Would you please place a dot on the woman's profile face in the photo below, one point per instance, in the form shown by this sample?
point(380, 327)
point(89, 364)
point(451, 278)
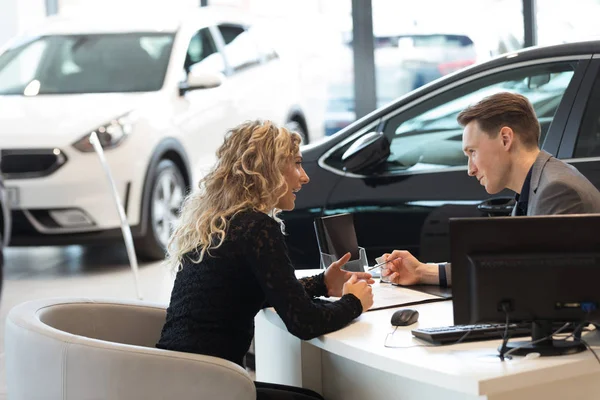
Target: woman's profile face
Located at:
point(295, 177)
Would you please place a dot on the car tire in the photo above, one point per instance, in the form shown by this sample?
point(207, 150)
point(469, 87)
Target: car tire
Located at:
point(165, 198)
point(296, 126)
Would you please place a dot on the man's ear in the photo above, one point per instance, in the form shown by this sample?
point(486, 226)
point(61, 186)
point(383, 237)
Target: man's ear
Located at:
point(508, 136)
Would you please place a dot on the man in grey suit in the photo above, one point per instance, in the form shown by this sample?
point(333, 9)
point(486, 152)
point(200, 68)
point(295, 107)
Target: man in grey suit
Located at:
point(501, 140)
point(558, 188)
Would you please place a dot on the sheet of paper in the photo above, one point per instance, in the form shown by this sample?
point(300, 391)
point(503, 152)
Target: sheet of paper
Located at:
point(385, 295)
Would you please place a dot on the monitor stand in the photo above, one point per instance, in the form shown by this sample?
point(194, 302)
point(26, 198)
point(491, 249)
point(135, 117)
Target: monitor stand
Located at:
point(548, 347)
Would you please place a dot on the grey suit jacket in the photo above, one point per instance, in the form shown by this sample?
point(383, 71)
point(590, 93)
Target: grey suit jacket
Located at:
point(556, 188)
point(559, 188)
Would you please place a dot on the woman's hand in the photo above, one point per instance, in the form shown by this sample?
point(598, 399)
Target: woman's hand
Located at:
point(335, 277)
point(361, 290)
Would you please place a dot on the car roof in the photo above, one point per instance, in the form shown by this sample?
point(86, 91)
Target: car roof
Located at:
point(130, 21)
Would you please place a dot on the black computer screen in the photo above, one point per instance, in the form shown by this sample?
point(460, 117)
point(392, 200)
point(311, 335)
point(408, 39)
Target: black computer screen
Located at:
point(336, 235)
point(539, 268)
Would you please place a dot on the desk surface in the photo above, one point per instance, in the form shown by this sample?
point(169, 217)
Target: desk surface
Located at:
point(471, 367)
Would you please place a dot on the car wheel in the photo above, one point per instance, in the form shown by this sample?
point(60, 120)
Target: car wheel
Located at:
point(295, 126)
point(166, 196)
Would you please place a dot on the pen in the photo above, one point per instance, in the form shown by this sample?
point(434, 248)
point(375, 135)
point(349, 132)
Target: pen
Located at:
point(382, 263)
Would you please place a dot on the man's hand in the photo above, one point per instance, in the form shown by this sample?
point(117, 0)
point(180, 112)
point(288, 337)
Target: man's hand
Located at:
point(403, 268)
point(335, 277)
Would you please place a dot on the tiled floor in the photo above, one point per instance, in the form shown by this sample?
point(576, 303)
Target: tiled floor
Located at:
point(32, 273)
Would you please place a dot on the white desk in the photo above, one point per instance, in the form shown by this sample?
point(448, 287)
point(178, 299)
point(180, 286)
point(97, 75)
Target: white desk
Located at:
point(353, 363)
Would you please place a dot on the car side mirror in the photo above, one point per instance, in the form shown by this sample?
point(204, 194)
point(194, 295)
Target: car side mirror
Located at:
point(198, 79)
point(366, 153)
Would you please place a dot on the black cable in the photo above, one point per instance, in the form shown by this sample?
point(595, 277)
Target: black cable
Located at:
point(540, 340)
point(403, 347)
point(463, 337)
point(590, 349)
point(505, 337)
point(576, 332)
point(396, 347)
point(550, 336)
point(503, 354)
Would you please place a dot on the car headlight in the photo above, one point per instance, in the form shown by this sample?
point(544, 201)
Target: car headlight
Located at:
point(110, 135)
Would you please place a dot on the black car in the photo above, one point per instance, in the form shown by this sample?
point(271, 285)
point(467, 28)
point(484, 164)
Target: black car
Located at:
point(401, 170)
point(5, 225)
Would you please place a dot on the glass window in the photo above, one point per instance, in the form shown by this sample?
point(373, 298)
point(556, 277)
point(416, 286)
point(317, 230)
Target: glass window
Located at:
point(230, 32)
point(104, 63)
point(558, 21)
point(588, 140)
point(428, 136)
point(202, 53)
point(241, 51)
point(418, 46)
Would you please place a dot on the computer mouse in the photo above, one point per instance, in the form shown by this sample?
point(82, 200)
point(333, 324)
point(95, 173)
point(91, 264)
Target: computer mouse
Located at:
point(404, 317)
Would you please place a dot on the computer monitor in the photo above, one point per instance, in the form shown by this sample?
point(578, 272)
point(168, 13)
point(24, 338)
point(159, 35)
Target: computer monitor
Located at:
point(543, 270)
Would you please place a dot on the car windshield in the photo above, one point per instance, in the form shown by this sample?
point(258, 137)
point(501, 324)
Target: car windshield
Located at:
point(98, 63)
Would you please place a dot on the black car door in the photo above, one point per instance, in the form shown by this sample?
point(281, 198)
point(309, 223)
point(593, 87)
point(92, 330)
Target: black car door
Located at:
point(406, 203)
point(5, 225)
point(580, 145)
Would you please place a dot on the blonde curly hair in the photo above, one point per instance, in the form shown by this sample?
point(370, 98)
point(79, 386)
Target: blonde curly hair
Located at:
point(248, 175)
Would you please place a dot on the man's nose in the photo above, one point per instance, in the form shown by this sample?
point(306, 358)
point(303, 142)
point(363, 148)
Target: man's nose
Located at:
point(471, 169)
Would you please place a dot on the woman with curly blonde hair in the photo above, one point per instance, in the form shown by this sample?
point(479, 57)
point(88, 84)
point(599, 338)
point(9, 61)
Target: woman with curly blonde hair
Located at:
point(231, 259)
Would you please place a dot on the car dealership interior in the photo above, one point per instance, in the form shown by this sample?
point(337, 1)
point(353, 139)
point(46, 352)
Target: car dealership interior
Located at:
point(283, 199)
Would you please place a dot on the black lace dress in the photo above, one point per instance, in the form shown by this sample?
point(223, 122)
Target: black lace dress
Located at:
point(213, 303)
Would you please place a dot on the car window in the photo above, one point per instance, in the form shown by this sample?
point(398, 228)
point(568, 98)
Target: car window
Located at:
point(203, 53)
point(428, 136)
point(102, 63)
point(241, 50)
point(588, 139)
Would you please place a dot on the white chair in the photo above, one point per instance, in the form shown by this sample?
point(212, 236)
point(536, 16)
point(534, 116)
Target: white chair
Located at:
point(104, 349)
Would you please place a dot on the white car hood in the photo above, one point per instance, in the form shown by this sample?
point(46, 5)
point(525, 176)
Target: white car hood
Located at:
point(58, 121)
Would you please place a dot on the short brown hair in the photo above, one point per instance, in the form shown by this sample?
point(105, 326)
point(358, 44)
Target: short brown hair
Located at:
point(505, 109)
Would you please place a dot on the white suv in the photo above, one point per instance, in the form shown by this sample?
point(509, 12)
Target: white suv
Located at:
point(160, 94)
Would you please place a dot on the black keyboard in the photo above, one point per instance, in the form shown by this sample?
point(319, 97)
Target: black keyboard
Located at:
point(452, 334)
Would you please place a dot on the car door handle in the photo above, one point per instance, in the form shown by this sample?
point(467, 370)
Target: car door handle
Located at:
point(497, 206)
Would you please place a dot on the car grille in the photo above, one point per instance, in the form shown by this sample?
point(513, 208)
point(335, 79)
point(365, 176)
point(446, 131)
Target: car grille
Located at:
point(30, 163)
